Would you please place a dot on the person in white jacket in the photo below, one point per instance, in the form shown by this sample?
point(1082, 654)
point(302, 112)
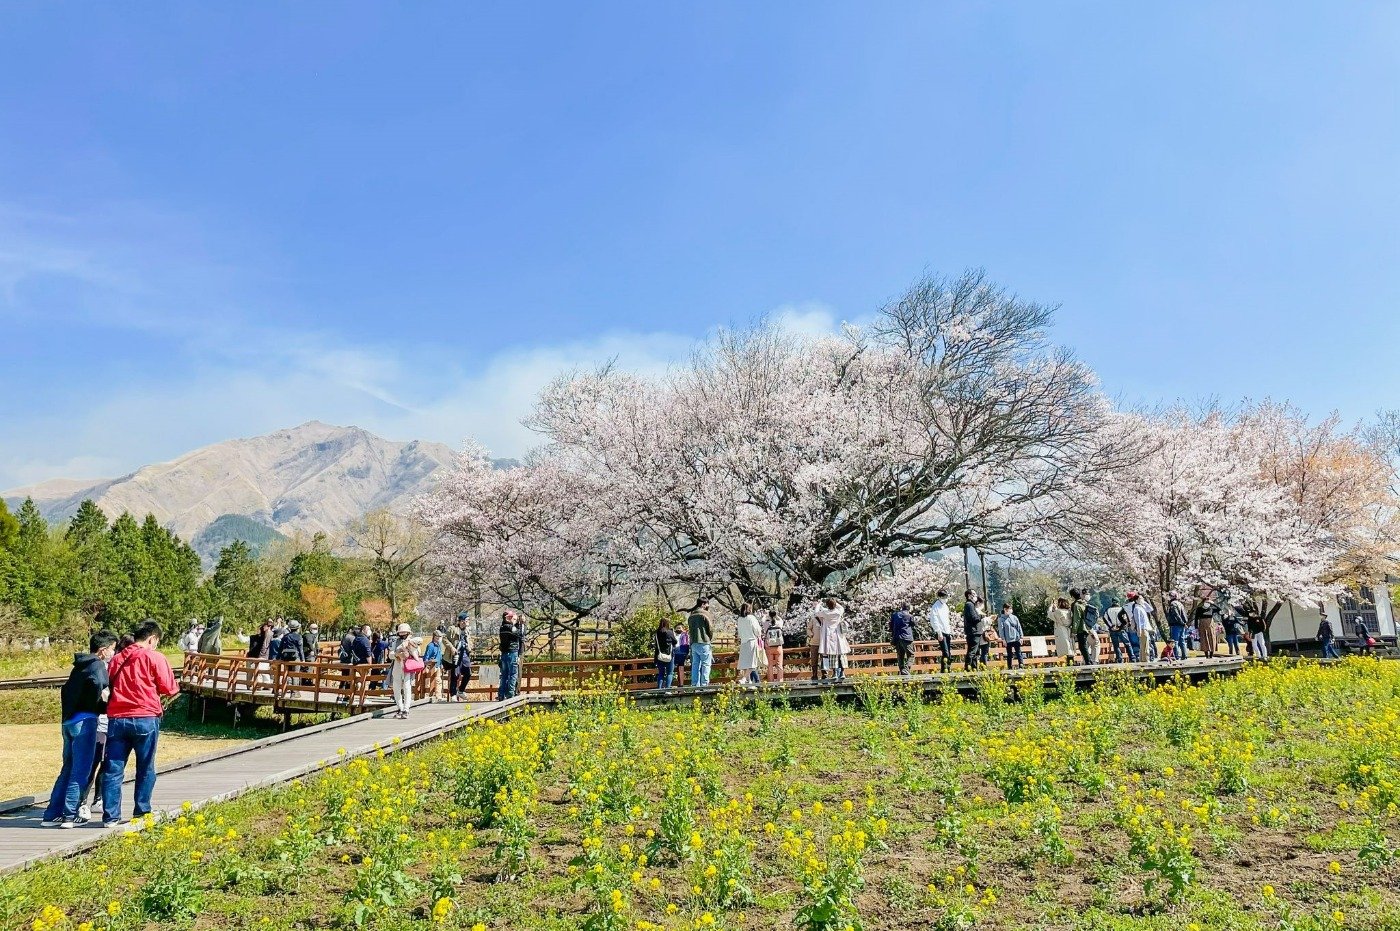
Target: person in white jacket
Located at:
point(942, 625)
point(190, 641)
point(750, 633)
point(830, 630)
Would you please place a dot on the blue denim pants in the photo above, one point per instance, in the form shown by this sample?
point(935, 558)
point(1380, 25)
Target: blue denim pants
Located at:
point(1179, 642)
point(126, 736)
point(79, 747)
point(665, 673)
point(510, 676)
point(701, 656)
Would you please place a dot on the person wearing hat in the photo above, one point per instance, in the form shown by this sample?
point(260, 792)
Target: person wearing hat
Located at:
point(289, 644)
point(1141, 634)
point(407, 664)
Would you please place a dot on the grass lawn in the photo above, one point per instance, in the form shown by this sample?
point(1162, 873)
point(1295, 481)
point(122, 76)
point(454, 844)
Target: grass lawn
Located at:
point(31, 744)
point(1263, 801)
point(58, 660)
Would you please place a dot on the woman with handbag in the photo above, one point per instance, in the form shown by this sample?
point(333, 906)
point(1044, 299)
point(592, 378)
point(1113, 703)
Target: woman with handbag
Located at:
point(407, 665)
point(665, 654)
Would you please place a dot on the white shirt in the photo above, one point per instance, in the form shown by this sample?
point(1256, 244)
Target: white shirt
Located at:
point(938, 618)
point(190, 641)
point(1140, 617)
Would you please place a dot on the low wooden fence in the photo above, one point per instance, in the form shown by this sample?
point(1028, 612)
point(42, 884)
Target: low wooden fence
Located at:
point(302, 687)
point(865, 659)
point(320, 687)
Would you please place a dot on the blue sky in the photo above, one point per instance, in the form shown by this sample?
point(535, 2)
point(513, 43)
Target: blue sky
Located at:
point(221, 219)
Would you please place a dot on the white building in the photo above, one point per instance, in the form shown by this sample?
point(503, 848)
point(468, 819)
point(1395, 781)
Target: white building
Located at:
point(1296, 623)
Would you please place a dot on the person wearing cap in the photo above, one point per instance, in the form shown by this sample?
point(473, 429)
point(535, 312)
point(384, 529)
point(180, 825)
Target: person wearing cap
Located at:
point(406, 665)
point(289, 644)
point(1326, 636)
point(459, 673)
point(432, 666)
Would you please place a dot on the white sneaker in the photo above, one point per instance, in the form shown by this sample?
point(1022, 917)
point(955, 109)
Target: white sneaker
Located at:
point(84, 812)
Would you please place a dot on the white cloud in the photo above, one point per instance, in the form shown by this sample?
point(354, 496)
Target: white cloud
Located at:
point(143, 272)
point(808, 319)
point(240, 396)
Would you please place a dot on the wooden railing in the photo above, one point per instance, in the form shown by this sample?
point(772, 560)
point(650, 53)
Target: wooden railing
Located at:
point(865, 659)
point(322, 686)
point(292, 686)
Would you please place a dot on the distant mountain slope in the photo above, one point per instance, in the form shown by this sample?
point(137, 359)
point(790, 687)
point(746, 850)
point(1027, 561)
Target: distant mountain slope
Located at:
point(315, 477)
point(212, 539)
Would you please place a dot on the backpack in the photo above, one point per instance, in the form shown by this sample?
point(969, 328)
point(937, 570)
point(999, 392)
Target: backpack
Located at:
point(1091, 615)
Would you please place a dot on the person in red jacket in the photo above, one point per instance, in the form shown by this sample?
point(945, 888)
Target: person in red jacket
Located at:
point(141, 679)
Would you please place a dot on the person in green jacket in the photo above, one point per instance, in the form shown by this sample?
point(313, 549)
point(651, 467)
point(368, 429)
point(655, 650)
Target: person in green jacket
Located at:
point(702, 634)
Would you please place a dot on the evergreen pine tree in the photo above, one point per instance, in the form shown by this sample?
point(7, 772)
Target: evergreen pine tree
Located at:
point(35, 580)
point(90, 559)
point(126, 603)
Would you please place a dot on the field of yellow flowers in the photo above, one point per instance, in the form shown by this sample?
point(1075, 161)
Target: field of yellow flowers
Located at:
point(1264, 801)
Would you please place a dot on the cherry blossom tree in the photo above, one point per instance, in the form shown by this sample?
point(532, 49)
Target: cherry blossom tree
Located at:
point(1210, 502)
point(529, 537)
point(913, 580)
point(1340, 482)
point(771, 463)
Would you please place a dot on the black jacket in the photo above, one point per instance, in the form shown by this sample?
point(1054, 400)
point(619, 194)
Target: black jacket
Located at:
point(512, 637)
point(360, 650)
point(86, 687)
point(972, 620)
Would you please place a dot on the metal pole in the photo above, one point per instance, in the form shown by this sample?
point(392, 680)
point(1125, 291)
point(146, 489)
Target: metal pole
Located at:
point(1293, 618)
point(982, 561)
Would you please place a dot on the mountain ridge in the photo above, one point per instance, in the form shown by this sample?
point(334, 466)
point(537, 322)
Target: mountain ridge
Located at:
point(311, 478)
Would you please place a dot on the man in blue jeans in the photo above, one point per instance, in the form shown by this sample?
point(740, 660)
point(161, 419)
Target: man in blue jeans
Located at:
point(84, 697)
point(141, 680)
point(702, 635)
point(512, 643)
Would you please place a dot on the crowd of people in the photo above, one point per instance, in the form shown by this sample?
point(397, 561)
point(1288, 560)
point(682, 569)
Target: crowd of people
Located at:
point(115, 695)
point(1130, 625)
point(1078, 621)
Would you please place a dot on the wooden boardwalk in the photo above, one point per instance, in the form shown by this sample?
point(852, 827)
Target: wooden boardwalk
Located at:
point(227, 774)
